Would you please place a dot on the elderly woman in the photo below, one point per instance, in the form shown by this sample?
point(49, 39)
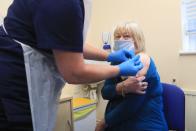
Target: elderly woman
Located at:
point(129, 109)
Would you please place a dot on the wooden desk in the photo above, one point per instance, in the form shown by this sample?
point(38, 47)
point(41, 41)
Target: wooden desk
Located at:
point(64, 120)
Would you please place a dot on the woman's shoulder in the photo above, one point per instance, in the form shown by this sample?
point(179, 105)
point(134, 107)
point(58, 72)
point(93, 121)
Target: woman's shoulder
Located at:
point(149, 69)
point(146, 60)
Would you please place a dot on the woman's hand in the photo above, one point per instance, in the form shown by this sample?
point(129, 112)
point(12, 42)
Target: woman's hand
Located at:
point(100, 125)
point(132, 85)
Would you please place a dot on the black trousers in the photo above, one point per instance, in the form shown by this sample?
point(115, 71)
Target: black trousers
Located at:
point(6, 125)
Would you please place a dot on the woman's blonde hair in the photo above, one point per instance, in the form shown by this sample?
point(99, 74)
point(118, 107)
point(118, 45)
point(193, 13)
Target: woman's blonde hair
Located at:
point(136, 33)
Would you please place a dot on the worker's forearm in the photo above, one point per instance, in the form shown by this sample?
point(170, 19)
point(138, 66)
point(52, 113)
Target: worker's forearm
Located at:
point(94, 73)
point(93, 53)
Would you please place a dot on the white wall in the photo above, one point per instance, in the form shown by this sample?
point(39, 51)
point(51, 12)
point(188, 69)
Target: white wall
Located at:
point(4, 4)
point(161, 23)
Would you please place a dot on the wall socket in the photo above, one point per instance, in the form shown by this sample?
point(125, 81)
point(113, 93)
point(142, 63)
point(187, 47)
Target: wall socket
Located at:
point(174, 81)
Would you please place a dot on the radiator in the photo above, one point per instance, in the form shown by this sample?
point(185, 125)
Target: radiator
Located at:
point(190, 110)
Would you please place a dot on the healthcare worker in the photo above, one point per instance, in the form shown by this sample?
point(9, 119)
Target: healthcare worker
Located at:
point(41, 47)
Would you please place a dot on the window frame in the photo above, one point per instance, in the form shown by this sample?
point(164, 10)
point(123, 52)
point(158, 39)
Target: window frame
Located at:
point(186, 45)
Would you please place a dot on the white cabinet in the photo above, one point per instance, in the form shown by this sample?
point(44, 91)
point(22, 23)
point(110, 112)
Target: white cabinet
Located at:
point(64, 120)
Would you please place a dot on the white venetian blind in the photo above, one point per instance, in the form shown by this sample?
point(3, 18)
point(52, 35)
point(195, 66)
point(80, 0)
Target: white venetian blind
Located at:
point(189, 25)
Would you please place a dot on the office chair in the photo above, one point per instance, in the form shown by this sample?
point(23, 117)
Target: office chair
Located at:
point(174, 107)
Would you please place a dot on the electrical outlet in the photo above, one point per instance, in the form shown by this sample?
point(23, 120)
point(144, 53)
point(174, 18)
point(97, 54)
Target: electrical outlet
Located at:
point(174, 81)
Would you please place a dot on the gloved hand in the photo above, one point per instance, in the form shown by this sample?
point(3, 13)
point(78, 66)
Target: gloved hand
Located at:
point(120, 56)
point(131, 66)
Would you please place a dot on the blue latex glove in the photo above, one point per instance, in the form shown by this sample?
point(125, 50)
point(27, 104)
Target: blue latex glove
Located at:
point(120, 56)
point(131, 66)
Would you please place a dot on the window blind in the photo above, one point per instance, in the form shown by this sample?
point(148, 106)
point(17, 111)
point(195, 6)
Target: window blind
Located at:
point(189, 23)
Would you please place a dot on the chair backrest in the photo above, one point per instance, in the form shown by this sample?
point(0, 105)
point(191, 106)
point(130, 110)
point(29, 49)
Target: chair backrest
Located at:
point(174, 107)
